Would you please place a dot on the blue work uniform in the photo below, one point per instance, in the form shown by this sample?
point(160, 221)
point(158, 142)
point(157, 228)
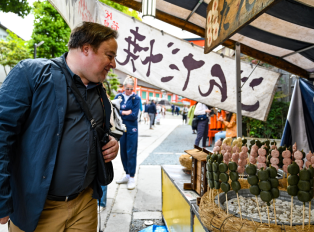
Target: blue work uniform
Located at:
point(128, 142)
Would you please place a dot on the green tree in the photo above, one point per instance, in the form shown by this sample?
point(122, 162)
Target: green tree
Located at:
point(111, 84)
point(51, 28)
point(122, 8)
point(19, 7)
point(12, 51)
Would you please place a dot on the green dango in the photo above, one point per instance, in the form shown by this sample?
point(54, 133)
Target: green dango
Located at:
point(211, 184)
point(254, 189)
point(304, 175)
point(225, 187)
point(293, 169)
point(209, 167)
point(292, 190)
point(214, 157)
point(217, 184)
point(274, 193)
point(250, 169)
point(264, 185)
point(209, 175)
point(224, 177)
point(235, 186)
point(304, 196)
point(233, 166)
point(263, 174)
point(304, 185)
point(223, 167)
point(215, 166)
point(272, 172)
point(252, 179)
point(220, 158)
point(266, 196)
point(208, 158)
point(234, 176)
point(216, 175)
point(274, 182)
point(293, 179)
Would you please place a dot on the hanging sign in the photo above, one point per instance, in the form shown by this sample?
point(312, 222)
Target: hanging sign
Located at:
point(226, 17)
point(176, 65)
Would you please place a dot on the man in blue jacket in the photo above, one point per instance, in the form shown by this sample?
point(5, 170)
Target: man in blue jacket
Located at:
point(48, 162)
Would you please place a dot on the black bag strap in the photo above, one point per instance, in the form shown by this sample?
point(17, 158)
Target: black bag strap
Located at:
point(75, 91)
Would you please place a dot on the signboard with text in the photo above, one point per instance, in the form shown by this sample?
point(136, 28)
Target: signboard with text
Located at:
point(226, 17)
point(174, 64)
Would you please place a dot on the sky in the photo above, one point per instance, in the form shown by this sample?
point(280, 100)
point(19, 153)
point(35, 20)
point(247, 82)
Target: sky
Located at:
point(24, 27)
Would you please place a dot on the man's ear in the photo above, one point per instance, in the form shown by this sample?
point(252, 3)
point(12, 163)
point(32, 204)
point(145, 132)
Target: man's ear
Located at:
point(85, 49)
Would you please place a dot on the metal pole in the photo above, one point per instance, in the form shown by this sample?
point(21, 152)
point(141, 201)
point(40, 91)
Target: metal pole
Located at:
point(238, 89)
point(35, 47)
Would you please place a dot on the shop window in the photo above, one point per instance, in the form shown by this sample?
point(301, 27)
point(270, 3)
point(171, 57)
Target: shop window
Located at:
point(143, 94)
point(157, 95)
point(169, 98)
point(151, 95)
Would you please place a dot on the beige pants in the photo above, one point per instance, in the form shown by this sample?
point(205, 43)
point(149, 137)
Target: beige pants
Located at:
point(79, 214)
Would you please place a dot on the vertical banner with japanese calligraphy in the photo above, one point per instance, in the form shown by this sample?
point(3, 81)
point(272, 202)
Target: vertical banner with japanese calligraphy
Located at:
point(175, 65)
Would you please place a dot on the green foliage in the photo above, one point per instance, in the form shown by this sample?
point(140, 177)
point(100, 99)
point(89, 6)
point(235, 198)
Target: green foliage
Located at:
point(12, 51)
point(19, 7)
point(111, 83)
point(275, 123)
point(122, 8)
point(51, 28)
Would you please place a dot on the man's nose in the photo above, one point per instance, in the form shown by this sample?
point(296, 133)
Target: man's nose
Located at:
point(113, 63)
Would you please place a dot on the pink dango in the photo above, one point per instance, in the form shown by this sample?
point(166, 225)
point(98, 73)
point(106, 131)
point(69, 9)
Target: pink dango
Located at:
point(223, 152)
point(252, 160)
point(262, 152)
point(261, 159)
point(216, 149)
point(312, 159)
point(226, 161)
point(285, 168)
point(298, 155)
point(243, 155)
point(218, 143)
point(244, 149)
point(228, 148)
point(307, 164)
point(235, 156)
point(275, 153)
point(274, 161)
point(273, 147)
point(275, 166)
point(253, 153)
point(254, 148)
point(226, 156)
point(235, 149)
point(261, 165)
point(223, 147)
point(241, 169)
point(300, 163)
point(242, 162)
point(287, 161)
point(286, 154)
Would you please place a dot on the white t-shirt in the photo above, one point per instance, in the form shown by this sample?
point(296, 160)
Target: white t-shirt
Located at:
point(200, 109)
point(126, 98)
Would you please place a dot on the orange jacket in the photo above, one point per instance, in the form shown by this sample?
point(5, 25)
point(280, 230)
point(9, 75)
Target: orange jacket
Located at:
point(231, 127)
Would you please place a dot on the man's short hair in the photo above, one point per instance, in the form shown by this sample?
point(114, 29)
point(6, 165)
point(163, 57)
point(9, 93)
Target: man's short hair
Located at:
point(90, 33)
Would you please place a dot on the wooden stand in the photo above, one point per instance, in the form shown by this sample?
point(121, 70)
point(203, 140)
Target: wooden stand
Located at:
point(259, 212)
point(239, 206)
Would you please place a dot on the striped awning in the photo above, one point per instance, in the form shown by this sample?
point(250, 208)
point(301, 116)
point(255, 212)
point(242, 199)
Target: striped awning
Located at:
point(283, 36)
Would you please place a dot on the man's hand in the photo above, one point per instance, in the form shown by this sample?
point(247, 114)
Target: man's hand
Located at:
point(208, 111)
point(4, 220)
point(126, 112)
point(220, 119)
point(110, 150)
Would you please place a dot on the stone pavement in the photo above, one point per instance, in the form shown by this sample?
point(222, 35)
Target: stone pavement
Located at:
point(144, 202)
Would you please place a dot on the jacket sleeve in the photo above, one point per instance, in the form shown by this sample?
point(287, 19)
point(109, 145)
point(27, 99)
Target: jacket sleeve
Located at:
point(231, 123)
point(136, 107)
point(15, 99)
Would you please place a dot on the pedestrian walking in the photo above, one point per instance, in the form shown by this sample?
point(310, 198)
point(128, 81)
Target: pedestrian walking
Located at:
point(163, 111)
point(129, 107)
point(49, 173)
point(191, 116)
point(184, 115)
point(152, 112)
point(177, 110)
point(200, 112)
point(146, 116)
point(158, 114)
point(172, 109)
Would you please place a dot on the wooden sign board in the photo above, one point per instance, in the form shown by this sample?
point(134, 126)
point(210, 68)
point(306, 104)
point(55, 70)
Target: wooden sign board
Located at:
point(226, 17)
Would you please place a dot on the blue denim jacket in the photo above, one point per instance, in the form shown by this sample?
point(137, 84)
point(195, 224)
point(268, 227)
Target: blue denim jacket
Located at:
point(33, 101)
